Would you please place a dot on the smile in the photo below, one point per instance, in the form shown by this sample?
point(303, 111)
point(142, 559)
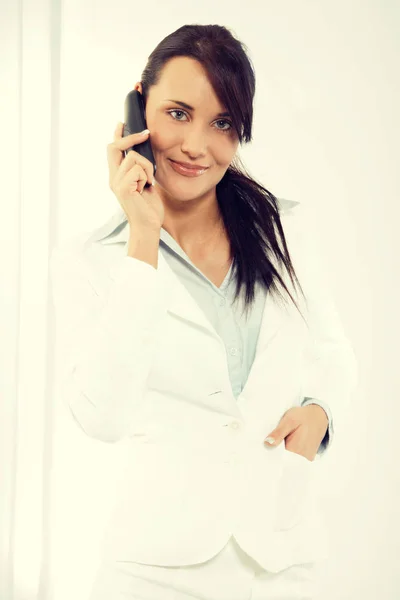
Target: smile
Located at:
point(188, 172)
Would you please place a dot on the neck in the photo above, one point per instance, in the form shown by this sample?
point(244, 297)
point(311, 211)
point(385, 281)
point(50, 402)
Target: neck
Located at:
point(193, 223)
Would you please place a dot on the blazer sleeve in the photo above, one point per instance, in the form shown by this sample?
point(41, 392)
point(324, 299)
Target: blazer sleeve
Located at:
point(106, 324)
point(330, 366)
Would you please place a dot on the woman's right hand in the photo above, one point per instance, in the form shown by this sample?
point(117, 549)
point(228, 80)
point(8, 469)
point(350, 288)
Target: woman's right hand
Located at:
point(127, 177)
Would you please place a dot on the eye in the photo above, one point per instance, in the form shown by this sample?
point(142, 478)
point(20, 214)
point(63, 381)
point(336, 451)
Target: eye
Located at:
point(176, 111)
point(227, 122)
point(219, 120)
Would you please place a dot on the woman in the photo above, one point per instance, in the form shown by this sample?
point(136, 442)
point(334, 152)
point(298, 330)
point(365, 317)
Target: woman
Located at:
point(173, 338)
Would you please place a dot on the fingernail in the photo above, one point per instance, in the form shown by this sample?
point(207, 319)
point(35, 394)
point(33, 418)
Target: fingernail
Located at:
point(269, 440)
point(144, 131)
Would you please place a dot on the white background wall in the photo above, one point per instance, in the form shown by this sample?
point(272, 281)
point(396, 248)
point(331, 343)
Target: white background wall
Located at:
point(326, 133)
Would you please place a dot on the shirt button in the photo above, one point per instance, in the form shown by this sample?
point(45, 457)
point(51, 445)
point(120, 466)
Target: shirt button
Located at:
point(222, 302)
point(233, 351)
point(234, 425)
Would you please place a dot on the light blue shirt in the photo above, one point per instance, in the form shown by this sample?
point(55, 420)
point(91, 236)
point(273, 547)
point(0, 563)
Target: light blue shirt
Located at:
point(238, 332)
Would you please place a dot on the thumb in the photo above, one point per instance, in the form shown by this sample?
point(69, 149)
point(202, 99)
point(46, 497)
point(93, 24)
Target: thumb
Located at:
point(271, 439)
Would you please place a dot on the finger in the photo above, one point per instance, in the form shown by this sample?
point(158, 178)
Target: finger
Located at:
point(287, 425)
point(118, 131)
point(123, 143)
point(133, 158)
point(134, 180)
point(270, 440)
point(114, 150)
point(114, 159)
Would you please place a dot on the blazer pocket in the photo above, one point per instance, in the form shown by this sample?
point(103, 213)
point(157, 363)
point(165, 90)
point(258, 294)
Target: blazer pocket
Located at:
point(293, 498)
point(146, 434)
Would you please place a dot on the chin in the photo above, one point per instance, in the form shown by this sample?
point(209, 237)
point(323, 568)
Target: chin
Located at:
point(185, 192)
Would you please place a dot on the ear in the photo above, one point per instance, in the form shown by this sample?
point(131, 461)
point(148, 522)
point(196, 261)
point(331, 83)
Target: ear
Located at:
point(138, 87)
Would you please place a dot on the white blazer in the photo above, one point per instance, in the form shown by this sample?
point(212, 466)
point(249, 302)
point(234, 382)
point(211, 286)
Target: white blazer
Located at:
point(142, 362)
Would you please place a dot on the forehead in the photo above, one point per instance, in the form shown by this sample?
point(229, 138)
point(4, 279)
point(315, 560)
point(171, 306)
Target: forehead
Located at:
point(184, 78)
point(182, 67)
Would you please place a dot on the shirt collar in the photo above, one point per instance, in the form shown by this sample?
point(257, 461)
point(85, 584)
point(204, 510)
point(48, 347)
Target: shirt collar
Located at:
point(116, 229)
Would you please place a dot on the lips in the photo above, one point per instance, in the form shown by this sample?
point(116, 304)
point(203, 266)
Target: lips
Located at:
point(187, 171)
point(189, 166)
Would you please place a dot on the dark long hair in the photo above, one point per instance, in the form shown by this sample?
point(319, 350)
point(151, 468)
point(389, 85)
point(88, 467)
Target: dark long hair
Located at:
point(250, 212)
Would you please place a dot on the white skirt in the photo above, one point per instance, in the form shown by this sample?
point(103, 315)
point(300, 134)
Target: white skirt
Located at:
point(230, 575)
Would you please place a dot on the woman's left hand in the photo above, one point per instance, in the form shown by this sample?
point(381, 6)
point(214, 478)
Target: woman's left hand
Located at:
point(303, 428)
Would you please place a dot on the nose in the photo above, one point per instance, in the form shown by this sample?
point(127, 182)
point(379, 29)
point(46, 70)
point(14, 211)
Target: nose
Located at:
point(194, 143)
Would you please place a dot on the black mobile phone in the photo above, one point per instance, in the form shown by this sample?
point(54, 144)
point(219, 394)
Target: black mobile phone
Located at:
point(135, 122)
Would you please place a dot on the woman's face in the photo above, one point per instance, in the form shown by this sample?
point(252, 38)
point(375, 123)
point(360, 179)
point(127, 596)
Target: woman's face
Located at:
point(196, 135)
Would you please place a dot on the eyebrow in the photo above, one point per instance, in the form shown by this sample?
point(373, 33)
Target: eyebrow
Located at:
point(188, 107)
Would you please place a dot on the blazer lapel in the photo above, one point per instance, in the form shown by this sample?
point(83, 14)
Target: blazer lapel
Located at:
point(180, 301)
